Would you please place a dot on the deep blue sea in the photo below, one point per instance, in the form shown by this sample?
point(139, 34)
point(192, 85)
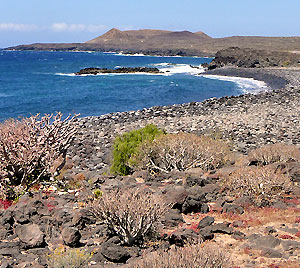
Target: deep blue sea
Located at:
point(43, 82)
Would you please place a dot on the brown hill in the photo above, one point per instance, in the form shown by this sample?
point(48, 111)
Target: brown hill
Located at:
point(112, 35)
point(162, 42)
point(202, 34)
point(146, 32)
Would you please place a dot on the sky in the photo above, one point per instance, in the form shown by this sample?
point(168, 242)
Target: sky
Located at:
point(34, 21)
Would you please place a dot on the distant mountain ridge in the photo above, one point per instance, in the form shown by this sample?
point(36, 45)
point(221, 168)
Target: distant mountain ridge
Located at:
point(163, 42)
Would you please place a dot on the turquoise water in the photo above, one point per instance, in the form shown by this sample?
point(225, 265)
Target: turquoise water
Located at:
point(43, 82)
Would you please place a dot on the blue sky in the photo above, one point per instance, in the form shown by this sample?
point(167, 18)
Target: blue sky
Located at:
point(30, 21)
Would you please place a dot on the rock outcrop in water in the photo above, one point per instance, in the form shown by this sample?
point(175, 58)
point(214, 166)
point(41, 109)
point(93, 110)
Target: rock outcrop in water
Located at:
point(250, 58)
point(125, 70)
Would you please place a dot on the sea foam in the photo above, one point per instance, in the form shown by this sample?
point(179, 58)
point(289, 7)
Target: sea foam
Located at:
point(246, 85)
point(106, 74)
point(171, 69)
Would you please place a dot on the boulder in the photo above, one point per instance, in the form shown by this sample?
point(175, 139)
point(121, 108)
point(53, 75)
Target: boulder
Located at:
point(194, 200)
point(267, 241)
point(183, 236)
point(30, 235)
point(232, 208)
point(206, 233)
point(222, 228)
point(175, 195)
point(82, 218)
point(71, 236)
point(289, 245)
point(114, 253)
point(207, 221)
point(271, 253)
point(172, 218)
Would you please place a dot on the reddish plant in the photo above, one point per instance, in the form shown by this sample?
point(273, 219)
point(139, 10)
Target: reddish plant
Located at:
point(272, 265)
point(194, 227)
point(32, 149)
point(297, 234)
point(50, 206)
point(286, 236)
point(292, 201)
point(5, 204)
point(247, 250)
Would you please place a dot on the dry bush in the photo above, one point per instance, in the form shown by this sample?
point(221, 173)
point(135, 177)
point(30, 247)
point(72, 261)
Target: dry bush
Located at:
point(181, 152)
point(262, 184)
point(68, 258)
point(272, 153)
point(130, 213)
point(192, 256)
point(29, 148)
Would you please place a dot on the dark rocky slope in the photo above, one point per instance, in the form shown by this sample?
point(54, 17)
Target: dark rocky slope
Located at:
point(249, 58)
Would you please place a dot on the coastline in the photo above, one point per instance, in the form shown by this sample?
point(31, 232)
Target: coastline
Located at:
point(247, 120)
point(270, 76)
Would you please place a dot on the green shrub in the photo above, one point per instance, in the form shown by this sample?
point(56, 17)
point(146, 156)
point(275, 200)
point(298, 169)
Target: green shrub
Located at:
point(97, 193)
point(286, 63)
point(127, 145)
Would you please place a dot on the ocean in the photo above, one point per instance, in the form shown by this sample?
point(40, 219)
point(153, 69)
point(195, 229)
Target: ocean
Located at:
point(42, 82)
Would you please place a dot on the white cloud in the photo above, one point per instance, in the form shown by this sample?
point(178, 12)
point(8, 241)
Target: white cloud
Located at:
point(17, 27)
point(61, 27)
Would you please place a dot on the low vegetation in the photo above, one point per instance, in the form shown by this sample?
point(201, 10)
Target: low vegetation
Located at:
point(127, 145)
point(68, 258)
point(192, 256)
point(262, 184)
point(130, 214)
point(275, 153)
point(181, 152)
point(32, 149)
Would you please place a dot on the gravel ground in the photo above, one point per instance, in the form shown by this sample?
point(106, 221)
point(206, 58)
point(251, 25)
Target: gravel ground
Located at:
point(249, 121)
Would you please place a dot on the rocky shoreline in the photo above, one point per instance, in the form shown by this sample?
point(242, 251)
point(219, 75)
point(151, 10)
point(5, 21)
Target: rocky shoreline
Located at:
point(249, 121)
point(273, 78)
